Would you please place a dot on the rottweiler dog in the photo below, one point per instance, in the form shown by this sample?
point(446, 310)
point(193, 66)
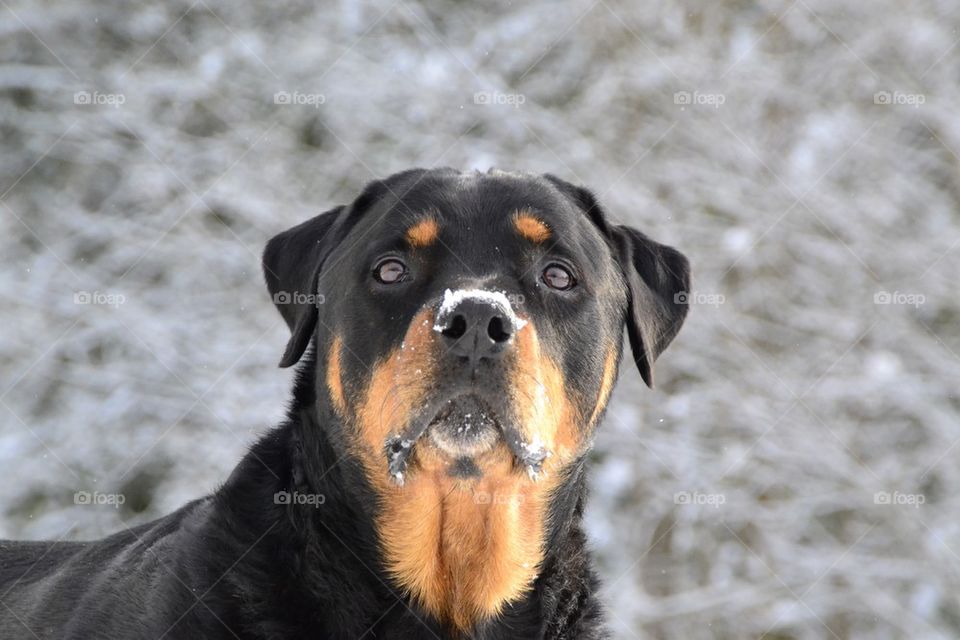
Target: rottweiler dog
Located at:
point(458, 336)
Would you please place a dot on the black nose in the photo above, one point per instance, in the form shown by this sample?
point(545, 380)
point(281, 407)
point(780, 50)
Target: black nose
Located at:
point(476, 330)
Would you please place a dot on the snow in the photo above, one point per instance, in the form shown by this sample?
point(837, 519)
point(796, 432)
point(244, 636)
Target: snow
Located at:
point(451, 298)
point(797, 399)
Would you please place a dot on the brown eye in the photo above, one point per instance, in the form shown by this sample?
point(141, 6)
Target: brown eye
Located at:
point(558, 277)
point(390, 271)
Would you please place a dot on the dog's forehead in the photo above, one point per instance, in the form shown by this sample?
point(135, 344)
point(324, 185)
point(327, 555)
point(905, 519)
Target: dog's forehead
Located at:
point(480, 200)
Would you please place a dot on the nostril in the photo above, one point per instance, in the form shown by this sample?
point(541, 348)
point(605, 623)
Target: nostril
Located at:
point(456, 328)
point(497, 330)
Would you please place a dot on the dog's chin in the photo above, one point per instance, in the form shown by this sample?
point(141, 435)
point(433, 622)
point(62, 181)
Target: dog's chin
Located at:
point(465, 427)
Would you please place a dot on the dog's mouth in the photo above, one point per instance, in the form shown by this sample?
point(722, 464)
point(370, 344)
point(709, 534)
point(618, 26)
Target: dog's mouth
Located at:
point(463, 428)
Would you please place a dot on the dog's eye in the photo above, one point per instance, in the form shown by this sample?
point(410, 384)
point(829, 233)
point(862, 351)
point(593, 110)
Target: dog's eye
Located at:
point(558, 277)
point(390, 271)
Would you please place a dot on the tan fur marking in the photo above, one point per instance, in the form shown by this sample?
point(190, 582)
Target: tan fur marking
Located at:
point(423, 234)
point(464, 548)
point(543, 401)
point(606, 386)
point(397, 387)
point(530, 227)
point(334, 377)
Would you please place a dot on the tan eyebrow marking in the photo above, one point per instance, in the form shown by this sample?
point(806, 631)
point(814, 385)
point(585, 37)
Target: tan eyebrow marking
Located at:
point(530, 227)
point(423, 233)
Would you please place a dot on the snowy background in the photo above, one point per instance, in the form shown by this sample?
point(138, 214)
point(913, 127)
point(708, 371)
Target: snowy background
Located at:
point(795, 474)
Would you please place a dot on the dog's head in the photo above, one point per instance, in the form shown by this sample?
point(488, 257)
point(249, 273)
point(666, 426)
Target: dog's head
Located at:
point(468, 332)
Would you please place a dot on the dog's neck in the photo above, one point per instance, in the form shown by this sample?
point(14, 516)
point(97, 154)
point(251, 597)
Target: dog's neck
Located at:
point(343, 535)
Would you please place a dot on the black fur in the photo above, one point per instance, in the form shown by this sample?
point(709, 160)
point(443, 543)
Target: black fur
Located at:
point(242, 563)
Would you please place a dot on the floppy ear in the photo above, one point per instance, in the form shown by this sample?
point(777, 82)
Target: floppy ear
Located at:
point(657, 277)
point(293, 259)
point(291, 265)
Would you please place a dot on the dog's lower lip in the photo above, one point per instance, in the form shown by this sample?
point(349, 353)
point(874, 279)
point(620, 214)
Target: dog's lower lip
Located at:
point(476, 409)
point(464, 426)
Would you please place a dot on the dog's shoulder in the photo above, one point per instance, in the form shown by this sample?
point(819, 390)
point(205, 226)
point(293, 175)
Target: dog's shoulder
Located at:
point(80, 586)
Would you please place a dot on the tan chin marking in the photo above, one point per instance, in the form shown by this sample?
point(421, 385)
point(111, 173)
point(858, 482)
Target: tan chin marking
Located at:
point(464, 548)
